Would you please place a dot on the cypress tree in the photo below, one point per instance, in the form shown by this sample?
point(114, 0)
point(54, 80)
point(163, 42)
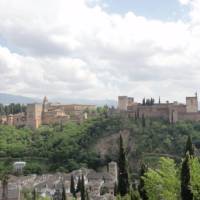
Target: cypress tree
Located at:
point(143, 101)
point(72, 187)
point(34, 194)
point(82, 188)
point(189, 147)
point(141, 188)
point(123, 182)
point(63, 192)
point(186, 192)
point(143, 121)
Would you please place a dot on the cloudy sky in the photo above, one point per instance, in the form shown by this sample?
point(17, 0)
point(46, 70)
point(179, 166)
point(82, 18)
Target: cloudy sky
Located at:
point(99, 49)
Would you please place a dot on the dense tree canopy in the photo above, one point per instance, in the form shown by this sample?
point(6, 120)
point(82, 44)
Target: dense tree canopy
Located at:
point(50, 149)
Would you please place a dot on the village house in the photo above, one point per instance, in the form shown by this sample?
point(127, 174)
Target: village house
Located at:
point(99, 185)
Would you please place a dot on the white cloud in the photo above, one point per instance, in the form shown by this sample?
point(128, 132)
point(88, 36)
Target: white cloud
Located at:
point(184, 2)
point(70, 48)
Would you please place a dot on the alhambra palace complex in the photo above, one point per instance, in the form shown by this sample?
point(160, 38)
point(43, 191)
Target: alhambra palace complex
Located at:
point(47, 113)
point(172, 112)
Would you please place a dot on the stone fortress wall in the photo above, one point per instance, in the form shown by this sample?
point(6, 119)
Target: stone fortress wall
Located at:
point(47, 113)
point(172, 112)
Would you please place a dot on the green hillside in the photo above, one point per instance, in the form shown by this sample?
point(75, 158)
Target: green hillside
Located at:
point(71, 146)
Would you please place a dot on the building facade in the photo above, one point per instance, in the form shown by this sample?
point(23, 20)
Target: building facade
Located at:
point(48, 113)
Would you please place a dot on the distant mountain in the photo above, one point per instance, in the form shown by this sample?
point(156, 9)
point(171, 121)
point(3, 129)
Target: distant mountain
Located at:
point(9, 98)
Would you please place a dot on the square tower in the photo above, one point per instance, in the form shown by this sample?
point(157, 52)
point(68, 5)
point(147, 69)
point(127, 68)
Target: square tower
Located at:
point(192, 104)
point(122, 102)
point(34, 115)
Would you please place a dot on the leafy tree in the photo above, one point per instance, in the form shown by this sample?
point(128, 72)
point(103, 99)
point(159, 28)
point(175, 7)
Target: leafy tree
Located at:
point(195, 178)
point(186, 191)
point(123, 180)
point(163, 183)
point(134, 195)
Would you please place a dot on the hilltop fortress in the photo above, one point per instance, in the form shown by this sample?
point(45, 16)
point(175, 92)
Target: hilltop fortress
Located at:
point(47, 113)
point(172, 112)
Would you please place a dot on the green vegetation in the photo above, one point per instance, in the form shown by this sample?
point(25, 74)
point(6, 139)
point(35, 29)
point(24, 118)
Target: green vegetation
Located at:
point(72, 146)
point(12, 109)
point(159, 144)
point(169, 180)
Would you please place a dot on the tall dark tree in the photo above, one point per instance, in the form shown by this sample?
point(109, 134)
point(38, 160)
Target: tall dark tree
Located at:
point(34, 194)
point(64, 197)
point(123, 180)
point(141, 187)
point(143, 121)
point(152, 101)
point(82, 188)
point(143, 101)
point(78, 188)
point(72, 186)
point(186, 192)
point(189, 147)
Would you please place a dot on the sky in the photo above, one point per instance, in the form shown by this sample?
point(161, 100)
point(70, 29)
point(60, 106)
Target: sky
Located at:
point(99, 49)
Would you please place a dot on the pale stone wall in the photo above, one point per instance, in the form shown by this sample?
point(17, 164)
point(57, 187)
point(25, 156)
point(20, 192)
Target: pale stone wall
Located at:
point(55, 117)
point(190, 117)
point(167, 111)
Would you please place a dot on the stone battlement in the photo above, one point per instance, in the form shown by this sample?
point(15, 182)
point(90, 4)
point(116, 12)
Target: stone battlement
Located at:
point(169, 111)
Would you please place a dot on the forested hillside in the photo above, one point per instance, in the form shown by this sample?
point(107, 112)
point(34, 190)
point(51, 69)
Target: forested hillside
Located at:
point(71, 146)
